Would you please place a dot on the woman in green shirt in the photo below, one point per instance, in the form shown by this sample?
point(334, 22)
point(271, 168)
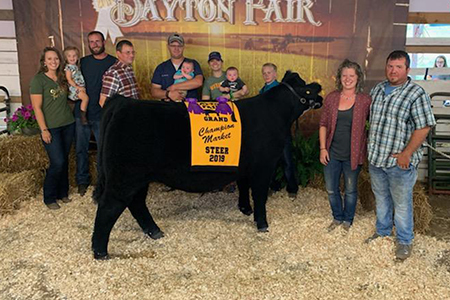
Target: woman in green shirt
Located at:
point(48, 91)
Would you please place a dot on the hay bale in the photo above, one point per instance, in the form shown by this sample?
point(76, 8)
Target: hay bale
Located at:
point(422, 209)
point(21, 153)
point(18, 187)
point(365, 194)
point(318, 182)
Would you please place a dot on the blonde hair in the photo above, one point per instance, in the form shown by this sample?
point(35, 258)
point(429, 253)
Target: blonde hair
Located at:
point(270, 65)
point(71, 48)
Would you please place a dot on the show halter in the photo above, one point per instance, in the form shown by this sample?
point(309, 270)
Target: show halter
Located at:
point(302, 100)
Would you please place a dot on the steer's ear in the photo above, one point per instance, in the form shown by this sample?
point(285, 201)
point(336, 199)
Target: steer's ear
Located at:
point(315, 87)
point(293, 79)
point(286, 76)
point(301, 82)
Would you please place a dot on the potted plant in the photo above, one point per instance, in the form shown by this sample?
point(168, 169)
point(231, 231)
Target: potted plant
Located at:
point(23, 121)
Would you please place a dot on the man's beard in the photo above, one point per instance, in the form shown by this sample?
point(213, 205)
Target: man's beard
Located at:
point(102, 49)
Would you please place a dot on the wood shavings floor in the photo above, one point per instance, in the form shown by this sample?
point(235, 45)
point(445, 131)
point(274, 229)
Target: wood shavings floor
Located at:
point(212, 251)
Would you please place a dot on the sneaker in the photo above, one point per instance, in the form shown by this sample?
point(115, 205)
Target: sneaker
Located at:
point(66, 200)
point(82, 188)
point(346, 225)
point(53, 205)
point(403, 251)
point(334, 225)
point(373, 237)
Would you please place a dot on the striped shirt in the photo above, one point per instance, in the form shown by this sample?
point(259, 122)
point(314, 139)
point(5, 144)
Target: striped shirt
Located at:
point(394, 118)
point(120, 79)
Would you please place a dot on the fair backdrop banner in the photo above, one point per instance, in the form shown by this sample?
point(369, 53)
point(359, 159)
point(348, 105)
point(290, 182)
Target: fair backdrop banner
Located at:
point(311, 37)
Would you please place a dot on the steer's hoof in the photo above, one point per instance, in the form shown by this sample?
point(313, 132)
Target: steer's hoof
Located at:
point(101, 255)
point(246, 210)
point(156, 234)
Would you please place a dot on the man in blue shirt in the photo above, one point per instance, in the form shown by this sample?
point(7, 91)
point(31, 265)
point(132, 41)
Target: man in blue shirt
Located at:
point(163, 86)
point(92, 66)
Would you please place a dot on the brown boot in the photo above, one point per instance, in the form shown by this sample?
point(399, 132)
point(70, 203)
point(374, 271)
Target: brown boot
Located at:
point(83, 117)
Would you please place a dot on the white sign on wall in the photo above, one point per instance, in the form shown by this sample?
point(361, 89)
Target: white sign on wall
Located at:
point(429, 6)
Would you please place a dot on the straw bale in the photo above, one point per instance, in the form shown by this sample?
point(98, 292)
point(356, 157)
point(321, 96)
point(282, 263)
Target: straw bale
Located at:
point(18, 187)
point(365, 194)
point(422, 209)
point(20, 153)
point(318, 182)
point(212, 251)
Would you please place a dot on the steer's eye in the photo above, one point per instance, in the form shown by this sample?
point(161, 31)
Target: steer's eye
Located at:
point(308, 92)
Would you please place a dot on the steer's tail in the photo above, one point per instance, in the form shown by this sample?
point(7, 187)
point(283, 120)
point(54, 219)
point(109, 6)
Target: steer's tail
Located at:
point(112, 107)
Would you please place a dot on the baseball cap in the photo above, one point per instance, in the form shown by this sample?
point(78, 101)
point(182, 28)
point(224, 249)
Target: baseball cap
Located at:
point(175, 37)
point(214, 55)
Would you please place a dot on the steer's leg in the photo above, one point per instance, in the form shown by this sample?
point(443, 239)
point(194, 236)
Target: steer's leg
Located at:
point(107, 215)
point(260, 188)
point(140, 212)
point(259, 196)
point(244, 197)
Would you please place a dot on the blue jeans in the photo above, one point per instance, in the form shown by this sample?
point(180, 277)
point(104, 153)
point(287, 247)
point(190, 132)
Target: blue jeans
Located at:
point(289, 169)
point(56, 183)
point(393, 189)
point(342, 210)
point(83, 135)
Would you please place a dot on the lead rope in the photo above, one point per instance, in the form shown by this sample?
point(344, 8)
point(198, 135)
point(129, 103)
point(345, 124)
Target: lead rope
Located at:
point(436, 150)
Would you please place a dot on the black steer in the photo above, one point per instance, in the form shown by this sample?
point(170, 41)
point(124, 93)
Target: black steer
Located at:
point(149, 141)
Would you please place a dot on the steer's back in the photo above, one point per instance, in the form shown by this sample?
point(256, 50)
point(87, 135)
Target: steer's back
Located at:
point(144, 141)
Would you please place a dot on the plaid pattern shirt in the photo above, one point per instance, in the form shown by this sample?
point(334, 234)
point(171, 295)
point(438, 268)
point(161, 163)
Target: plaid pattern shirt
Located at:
point(394, 118)
point(120, 79)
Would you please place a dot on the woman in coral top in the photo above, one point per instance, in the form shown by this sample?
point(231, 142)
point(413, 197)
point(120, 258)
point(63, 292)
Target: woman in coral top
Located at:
point(343, 141)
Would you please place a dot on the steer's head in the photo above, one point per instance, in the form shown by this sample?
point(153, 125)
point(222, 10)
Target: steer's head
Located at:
point(306, 95)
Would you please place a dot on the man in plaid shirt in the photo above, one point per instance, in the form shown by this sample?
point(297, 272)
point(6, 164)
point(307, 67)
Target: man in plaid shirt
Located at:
point(120, 78)
point(400, 120)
